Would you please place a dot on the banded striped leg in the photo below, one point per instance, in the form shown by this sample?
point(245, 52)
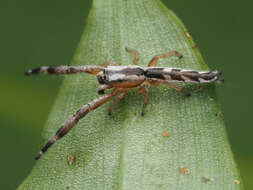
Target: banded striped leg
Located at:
point(73, 120)
point(143, 90)
point(155, 59)
point(62, 70)
point(156, 82)
point(136, 55)
point(116, 100)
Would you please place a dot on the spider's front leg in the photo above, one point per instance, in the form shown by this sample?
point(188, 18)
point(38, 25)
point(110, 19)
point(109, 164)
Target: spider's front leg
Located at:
point(73, 120)
point(63, 70)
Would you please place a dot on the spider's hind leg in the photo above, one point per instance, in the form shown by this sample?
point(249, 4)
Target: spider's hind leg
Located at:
point(155, 59)
point(156, 82)
point(136, 55)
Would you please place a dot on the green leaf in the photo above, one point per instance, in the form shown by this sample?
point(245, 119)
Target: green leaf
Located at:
point(181, 141)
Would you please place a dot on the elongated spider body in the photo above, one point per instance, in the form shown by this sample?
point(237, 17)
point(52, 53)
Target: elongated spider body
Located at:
point(122, 79)
point(132, 76)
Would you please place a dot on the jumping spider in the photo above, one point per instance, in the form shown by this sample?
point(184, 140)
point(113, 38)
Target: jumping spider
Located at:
point(122, 79)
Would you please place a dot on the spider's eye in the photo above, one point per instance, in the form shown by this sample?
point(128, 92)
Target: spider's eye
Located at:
point(101, 78)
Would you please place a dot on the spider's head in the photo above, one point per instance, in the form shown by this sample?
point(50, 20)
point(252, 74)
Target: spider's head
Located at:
point(101, 78)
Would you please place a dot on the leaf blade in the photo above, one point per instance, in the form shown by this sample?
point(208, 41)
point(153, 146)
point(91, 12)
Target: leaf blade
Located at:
point(127, 151)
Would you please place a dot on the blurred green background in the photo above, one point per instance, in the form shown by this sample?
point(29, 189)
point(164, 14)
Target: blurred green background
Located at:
point(36, 32)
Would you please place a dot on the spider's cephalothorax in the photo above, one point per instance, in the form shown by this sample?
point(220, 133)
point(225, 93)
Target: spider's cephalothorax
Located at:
point(122, 79)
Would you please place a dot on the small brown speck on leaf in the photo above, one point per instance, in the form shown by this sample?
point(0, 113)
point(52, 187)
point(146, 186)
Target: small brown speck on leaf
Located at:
point(187, 34)
point(184, 170)
point(205, 179)
point(70, 159)
point(166, 133)
point(237, 182)
point(219, 114)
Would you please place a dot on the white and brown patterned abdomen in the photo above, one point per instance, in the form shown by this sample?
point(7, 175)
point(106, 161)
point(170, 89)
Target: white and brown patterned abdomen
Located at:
point(183, 75)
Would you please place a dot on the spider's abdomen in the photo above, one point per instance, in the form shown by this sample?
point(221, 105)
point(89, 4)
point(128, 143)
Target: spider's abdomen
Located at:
point(124, 76)
point(183, 75)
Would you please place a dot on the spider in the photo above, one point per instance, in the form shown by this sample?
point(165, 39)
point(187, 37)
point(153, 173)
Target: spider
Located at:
point(122, 79)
